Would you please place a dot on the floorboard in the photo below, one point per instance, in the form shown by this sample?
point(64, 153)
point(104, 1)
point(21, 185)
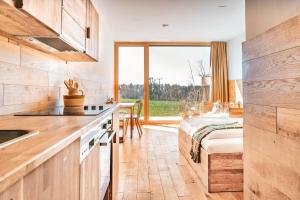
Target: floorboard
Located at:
point(152, 168)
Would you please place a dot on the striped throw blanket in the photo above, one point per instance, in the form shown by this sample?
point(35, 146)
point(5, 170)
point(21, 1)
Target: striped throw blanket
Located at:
point(200, 134)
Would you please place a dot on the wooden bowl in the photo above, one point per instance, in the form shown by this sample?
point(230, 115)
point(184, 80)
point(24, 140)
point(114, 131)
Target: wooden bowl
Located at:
point(73, 100)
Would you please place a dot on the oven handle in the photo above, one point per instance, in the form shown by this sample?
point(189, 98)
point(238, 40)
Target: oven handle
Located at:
point(105, 142)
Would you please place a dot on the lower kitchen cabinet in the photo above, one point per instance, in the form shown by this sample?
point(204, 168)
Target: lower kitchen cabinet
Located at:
point(89, 175)
point(57, 178)
point(14, 192)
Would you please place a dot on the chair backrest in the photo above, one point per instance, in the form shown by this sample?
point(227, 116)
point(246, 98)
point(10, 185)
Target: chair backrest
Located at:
point(139, 104)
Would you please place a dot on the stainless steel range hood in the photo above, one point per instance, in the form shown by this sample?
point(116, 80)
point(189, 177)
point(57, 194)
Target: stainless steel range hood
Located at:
point(56, 43)
point(52, 44)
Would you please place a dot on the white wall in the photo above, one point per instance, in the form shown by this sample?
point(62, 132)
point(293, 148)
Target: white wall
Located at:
point(234, 53)
point(262, 15)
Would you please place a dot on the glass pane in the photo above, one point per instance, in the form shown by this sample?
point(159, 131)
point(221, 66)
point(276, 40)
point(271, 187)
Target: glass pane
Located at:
point(131, 74)
point(179, 80)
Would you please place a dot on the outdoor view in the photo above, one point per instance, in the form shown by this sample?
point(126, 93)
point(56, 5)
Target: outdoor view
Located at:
point(179, 78)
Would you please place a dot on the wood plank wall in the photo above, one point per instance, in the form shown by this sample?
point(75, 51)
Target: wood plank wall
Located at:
point(271, 78)
point(31, 80)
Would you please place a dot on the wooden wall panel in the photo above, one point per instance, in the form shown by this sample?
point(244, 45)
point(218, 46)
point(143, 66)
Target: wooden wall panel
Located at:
point(279, 65)
point(288, 123)
point(263, 117)
point(282, 37)
point(271, 75)
point(280, 93)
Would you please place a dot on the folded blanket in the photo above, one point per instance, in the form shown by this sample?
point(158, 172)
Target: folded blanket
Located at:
point(200, 134)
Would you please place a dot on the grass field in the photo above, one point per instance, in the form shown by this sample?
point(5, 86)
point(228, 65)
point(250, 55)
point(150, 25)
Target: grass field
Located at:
point(159, 108)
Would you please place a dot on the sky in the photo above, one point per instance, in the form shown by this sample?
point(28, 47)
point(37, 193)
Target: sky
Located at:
point(169, 64)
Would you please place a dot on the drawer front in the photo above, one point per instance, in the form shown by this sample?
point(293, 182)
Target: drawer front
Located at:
point(72, 32)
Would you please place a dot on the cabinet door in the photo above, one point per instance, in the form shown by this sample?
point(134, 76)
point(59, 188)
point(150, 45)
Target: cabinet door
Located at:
point(77, 10)
point(90, 175)
point(92, 40)
point(14, 192)
point(57, 178)
point(48, 12)
point(72, 32)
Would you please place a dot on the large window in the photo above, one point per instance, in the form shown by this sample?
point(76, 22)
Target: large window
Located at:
point(175, 79)
point(170, 78)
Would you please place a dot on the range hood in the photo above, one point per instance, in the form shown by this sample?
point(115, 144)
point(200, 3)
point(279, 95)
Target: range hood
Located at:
point(51, 44)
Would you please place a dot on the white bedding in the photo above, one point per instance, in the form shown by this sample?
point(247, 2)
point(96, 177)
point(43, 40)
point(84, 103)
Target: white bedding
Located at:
point(228, 145)
point(220, 141)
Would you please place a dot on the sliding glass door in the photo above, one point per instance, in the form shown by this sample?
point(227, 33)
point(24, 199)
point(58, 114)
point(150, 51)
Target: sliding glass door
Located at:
point(175, 79)
point(169, 78)
point(131, 74)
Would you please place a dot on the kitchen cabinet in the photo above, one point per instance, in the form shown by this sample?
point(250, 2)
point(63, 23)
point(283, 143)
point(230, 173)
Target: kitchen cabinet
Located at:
point(90, 175)
point(77, 10)
point(14, 192)
point(15, 21)
point(92, 40)
point(58, 178)
point(48, 12)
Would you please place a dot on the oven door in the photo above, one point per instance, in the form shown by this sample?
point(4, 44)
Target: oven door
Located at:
point(106, 149)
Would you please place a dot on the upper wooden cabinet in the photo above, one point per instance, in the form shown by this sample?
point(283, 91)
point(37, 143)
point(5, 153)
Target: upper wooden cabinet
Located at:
point(67, 29)
point(48, 12)
point(15, 21)
point(92, 39)
point(77, 10)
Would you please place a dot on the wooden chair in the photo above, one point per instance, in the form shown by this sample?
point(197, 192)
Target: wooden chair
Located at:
point(136, 119)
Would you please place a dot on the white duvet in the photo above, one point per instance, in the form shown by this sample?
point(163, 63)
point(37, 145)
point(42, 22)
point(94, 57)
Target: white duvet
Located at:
point(220, 141)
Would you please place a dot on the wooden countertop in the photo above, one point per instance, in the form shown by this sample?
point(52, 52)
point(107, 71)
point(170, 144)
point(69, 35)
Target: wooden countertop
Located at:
point(55, 133)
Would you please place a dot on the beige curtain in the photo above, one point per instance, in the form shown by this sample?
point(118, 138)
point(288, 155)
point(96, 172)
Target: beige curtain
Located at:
point(218, 61)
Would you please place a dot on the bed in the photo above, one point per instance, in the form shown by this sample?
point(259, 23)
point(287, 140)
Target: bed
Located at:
point(221, 166)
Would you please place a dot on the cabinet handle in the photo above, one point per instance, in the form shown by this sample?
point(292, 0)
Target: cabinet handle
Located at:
point(88, 32)
point(19, 3)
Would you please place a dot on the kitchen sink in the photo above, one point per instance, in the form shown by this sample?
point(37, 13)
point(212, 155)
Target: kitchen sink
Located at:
point(8, 137)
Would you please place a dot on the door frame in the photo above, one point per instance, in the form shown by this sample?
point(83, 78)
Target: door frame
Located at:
point(146, 46)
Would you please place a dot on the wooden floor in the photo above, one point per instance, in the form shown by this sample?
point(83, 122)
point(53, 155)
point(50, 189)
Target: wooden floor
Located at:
point(151, 167)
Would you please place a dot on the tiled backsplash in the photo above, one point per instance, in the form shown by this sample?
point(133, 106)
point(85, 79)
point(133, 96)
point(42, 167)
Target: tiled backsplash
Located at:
point(31, 80)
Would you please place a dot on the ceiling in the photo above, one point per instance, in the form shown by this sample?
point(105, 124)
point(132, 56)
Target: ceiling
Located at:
point(188, 20)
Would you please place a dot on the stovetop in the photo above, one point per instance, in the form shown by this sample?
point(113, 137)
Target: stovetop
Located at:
point(87, 110)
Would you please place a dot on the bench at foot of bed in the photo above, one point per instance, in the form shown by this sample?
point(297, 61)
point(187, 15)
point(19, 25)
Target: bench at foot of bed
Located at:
point(219, 172)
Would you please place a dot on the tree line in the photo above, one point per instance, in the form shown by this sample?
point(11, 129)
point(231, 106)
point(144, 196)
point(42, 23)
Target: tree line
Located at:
point(166, 92)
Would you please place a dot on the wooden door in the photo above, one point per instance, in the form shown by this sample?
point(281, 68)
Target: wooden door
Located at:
point(48, 12)
point(57, 178)
point(77, 10)
point(92, 40)
point(14, 192)
point(90, 175)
